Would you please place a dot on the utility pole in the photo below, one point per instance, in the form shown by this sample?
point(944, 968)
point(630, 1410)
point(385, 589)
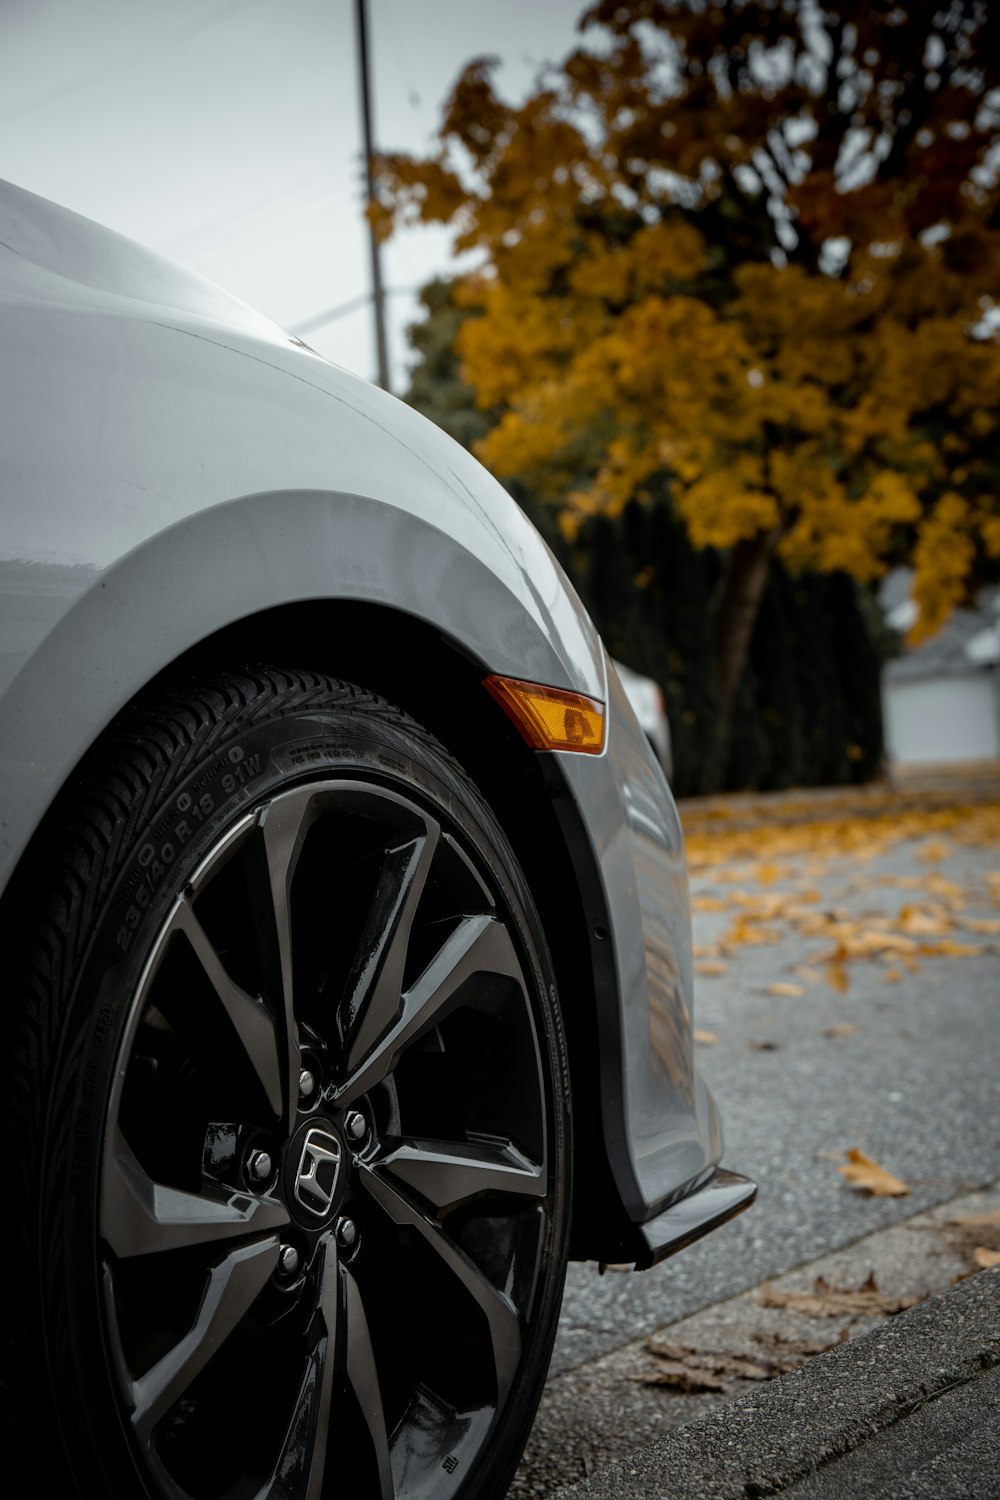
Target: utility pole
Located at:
point(378, 297)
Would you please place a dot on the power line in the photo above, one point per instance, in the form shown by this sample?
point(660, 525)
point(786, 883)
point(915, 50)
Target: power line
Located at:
point(330, 314)
point(222, 226)
point(193, 27)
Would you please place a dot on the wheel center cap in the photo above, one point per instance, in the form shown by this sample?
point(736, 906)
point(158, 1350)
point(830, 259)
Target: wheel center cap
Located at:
point(315, 1173)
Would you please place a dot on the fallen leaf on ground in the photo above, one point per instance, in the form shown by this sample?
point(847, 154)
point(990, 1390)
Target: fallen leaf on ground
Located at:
point(977, 1237)
point(711, 967)
point(934, 851)
point(843, 1028)
point(705, 1038)
point(747, 932)
point(705, 950)
point(923, 920)
point(948, 949)
point(708, 903)
point(710, 1360)
point(866, 1175)
point(980, 924)
point(869, 940)
point(690, 1371)
point(826, 1301)
point(988, 1220)
point(892, 976)
point(774, 904)
point(802, 916)
point(764, 1045)
point(780, 987)
point(682, 1379)
point(836, 977)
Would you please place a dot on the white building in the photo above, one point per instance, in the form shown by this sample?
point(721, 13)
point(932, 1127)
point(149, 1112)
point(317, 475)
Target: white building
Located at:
point(941, 700)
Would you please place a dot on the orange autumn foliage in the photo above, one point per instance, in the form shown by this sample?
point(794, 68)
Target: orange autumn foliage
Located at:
point(751, 255)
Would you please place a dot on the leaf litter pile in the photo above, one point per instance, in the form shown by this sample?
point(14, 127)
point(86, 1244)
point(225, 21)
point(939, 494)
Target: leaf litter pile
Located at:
point(745, 849)
point(687, 1370)
point(756, 863)
point(690, 1372)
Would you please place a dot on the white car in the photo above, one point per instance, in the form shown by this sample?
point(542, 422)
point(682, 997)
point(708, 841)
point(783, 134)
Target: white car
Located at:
point(646, 698)
point(344, 911)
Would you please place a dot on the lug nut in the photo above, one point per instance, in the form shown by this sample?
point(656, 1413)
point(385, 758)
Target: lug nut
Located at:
point(288, 1260)
point(357, 1125)
point(307, 1084)
point(259, 1165)
point(347, 1233)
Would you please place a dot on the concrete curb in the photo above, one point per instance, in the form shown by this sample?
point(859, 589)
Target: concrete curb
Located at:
point(769, 1439)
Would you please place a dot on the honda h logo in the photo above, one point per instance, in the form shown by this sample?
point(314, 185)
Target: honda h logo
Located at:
point(318, 1170)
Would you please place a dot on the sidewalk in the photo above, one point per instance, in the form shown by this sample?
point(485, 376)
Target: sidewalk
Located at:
point(911, 1409)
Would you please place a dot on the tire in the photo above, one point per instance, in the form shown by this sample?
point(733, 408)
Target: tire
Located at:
point(291, 1110)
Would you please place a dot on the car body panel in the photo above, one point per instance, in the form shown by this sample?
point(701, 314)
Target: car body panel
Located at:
point(174, 464)
point(672, 1129)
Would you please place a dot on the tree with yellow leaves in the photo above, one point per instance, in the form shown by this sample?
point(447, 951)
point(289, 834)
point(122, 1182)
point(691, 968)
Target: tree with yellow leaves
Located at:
point(747, 250)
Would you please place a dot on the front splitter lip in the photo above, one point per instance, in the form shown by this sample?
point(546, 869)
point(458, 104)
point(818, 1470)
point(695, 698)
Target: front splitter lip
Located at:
point(722, 1197)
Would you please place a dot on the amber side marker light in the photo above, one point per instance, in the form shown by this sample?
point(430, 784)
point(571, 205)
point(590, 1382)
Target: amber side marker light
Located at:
point(549, 718)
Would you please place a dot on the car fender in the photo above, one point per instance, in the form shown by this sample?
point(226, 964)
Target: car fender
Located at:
point(180, 468)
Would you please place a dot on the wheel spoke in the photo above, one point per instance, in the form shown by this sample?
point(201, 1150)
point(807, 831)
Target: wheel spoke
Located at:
point(372, 996)
point(501, 1315)
point(233, 1287)
point(479, 945)
point(449, 1174)
point(143, 1217)
point(283, 825)
point(359, 1364)
point(302, 1461)
point(250, 1020)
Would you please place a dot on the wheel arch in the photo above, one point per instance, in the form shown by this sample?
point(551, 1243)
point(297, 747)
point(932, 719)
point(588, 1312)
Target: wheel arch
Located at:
point(413, 664)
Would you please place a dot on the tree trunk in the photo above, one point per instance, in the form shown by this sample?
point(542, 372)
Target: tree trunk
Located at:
point(737, 602)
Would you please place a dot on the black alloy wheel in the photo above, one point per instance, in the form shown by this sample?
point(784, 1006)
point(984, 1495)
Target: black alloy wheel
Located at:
point(297, 1166)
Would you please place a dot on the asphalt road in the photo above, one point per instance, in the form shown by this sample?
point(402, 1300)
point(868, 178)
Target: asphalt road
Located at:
point(915, 1085)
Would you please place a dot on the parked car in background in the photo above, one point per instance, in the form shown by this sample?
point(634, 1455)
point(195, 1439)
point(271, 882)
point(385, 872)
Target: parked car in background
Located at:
point(344, 912)
point(646, 699)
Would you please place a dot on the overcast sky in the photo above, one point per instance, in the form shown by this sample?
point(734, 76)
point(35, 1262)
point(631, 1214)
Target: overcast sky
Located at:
point(226, 133)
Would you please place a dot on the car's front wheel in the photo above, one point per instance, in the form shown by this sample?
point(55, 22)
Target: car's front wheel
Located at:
point(292, 1109)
